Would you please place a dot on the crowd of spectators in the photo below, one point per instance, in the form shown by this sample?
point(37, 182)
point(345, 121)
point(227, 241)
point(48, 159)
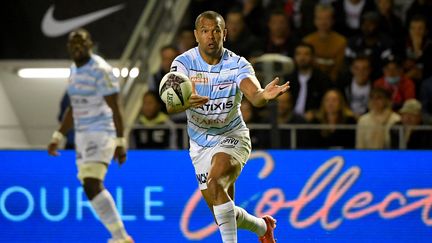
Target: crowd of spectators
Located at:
point(361, 63)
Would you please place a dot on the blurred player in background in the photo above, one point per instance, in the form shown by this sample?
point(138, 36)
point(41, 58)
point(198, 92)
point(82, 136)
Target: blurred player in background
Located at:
point(95, 114)
point(219, 139)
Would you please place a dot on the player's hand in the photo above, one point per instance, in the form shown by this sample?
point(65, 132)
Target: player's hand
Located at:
point(52, 149)
point(272, 90)
point(120, 155)
point(195, 99)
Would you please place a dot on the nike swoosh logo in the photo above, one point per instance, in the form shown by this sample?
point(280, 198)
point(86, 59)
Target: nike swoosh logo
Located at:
point(54, 28)
point(223, 87)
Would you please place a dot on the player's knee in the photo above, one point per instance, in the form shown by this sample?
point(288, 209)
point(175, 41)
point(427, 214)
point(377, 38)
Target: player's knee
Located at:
point(216, 187)
point(92, 187)
point(212, 187)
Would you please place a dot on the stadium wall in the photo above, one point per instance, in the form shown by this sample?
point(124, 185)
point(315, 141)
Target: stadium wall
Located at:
point(316, 196)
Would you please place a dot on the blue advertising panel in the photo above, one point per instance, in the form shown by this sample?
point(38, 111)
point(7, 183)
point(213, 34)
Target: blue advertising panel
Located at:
point(316, 196)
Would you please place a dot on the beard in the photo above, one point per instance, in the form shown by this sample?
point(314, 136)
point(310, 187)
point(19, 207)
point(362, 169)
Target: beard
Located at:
point(304, 66)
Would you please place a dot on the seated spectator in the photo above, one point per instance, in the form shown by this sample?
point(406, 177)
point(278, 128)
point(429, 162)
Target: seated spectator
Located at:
point(373, 128)
point(185, 40)
point(418, 51)
point(389, 22)
point(334, 111)
point(148, 135)
point(303, 16)
point(259, 138)
point(329, 45)
point(239, 38)
point(349, 12)
point(400, 87)
point(411, 119)
point(356, 85)
point(420, 7)
point(287, 115)
point(167, 54)
point(307, 83)
point(426, 99)
point(253, 11)
point(280, 37)
point(370, 43)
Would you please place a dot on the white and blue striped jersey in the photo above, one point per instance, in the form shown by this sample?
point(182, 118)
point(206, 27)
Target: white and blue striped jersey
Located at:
point(87, 87)
point(221, 83)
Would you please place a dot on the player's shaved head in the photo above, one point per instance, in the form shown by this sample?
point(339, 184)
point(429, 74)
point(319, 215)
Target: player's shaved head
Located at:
point(81, 32)
point(212, 15)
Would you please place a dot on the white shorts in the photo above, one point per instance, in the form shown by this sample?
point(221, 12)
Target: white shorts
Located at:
point(94, 147)
point(237, 144)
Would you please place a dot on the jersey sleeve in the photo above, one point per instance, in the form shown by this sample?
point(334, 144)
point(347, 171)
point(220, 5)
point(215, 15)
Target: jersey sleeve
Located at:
point(106, 82)
point(179, 65)
point(245, 70)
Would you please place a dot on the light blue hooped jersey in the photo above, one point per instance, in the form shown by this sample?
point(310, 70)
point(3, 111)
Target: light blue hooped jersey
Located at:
point(221, 83)
point(87, 87)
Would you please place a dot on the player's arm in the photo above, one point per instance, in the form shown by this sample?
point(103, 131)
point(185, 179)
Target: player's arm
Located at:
point(258, 96)
point(120, 152)
point(58, 136)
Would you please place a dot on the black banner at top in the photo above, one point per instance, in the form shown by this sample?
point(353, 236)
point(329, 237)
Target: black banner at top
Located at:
point(39, 29)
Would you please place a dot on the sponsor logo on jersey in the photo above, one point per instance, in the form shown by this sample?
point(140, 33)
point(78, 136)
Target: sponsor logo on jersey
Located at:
point(226, 74)
point(202, 178)
point(221, 87)
point(199, 78)
point(91, 149)
point(229, 142)
point(221, 106)
point(79, 101)
point(202, 120)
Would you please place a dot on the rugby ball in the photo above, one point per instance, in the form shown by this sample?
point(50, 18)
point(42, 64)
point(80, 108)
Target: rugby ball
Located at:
point(175, 89)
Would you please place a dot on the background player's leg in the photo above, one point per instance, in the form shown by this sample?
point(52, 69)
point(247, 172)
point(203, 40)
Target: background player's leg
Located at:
point(105, 208)
point(91, 175)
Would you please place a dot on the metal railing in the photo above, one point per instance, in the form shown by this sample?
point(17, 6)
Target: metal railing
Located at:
point(37, 137)
point(156, 27)
point(295, 131)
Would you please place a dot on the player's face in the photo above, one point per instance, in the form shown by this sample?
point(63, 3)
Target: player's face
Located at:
point(79, 46)
point(210, 35)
